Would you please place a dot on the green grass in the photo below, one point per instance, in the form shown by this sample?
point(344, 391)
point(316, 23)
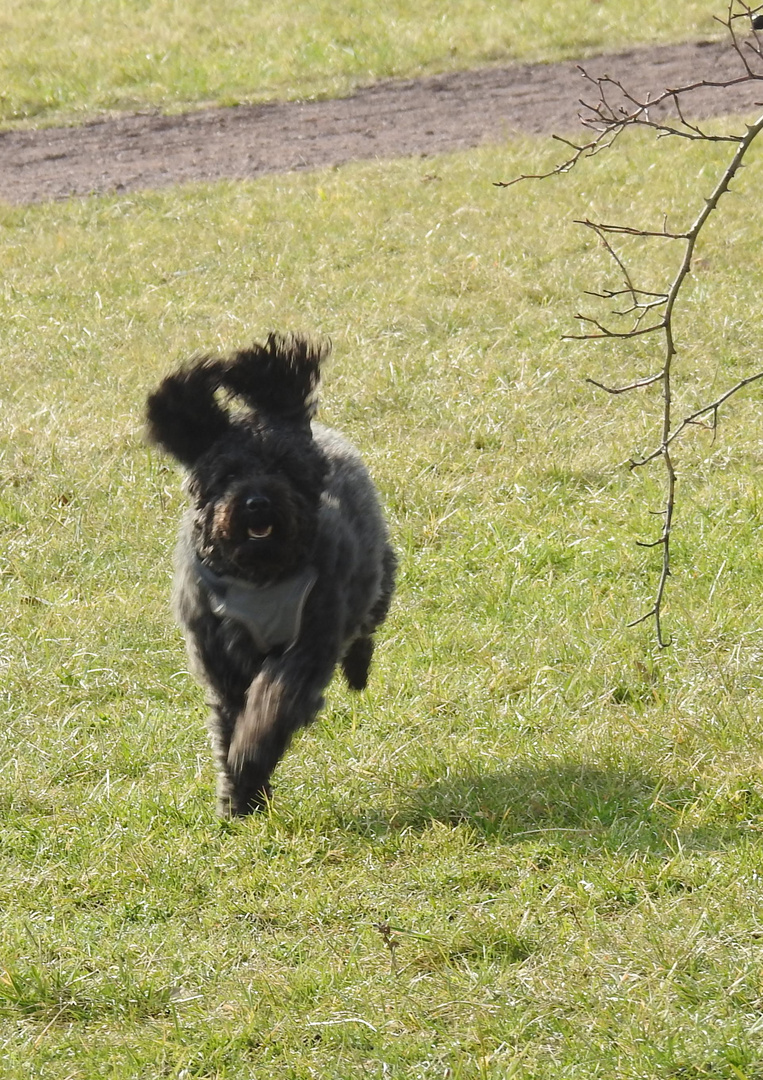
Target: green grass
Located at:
point(532, 847)
point(64, 60)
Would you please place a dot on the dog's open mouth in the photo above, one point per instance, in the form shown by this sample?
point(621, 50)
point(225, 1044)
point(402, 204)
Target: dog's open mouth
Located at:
point(259, 532)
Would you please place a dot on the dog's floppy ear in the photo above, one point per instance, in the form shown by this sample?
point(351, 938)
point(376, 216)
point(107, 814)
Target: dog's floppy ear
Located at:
point(182, 414)
point(279, 378)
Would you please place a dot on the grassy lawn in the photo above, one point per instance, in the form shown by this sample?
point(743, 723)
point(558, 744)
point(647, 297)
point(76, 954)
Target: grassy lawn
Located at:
point(64, 60)
point(532, 847)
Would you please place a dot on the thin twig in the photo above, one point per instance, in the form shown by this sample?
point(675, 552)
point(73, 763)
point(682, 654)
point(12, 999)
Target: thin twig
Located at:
point(637, 385)
point(713, 407)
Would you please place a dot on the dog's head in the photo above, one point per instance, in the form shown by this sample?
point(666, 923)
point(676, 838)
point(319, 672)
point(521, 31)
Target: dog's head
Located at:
point(241, 426)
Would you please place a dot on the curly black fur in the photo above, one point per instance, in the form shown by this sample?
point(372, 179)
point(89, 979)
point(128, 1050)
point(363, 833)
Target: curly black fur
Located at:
point(285, 518)
point(280, 377)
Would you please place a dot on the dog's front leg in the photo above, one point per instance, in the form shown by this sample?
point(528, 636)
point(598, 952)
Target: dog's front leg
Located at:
point(242, 790)
point(285, 696)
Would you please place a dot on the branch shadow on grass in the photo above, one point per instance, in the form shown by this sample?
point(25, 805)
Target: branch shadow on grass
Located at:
point(623, 808)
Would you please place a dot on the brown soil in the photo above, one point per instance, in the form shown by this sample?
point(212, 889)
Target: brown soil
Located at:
point(387, 120)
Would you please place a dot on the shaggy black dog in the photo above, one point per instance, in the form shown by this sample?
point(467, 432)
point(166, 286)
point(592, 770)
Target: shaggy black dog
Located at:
point(284, 567)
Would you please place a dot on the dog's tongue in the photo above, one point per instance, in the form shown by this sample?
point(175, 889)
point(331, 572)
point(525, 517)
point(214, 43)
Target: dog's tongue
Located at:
point(260, 532)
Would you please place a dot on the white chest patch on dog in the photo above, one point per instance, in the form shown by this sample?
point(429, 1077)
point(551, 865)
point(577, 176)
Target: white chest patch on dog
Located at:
point(271, 613)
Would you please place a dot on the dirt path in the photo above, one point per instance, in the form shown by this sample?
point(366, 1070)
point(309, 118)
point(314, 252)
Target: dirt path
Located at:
point(388, 120)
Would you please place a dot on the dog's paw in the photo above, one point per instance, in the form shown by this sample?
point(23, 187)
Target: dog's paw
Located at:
point(241, 799)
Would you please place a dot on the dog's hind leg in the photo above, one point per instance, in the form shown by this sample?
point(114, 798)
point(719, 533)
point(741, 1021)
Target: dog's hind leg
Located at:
point(384, 599)
point(357, 662)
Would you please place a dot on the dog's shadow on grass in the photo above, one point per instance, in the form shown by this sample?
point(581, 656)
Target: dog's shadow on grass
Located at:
point(616, 807)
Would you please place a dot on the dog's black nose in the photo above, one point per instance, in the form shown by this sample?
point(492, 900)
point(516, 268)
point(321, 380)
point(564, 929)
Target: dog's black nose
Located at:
point(257, 504)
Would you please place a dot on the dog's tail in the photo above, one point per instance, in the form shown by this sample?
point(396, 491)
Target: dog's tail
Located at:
point(279, 378)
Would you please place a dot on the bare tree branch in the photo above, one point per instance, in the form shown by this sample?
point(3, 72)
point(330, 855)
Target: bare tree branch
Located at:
point(614, 110)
